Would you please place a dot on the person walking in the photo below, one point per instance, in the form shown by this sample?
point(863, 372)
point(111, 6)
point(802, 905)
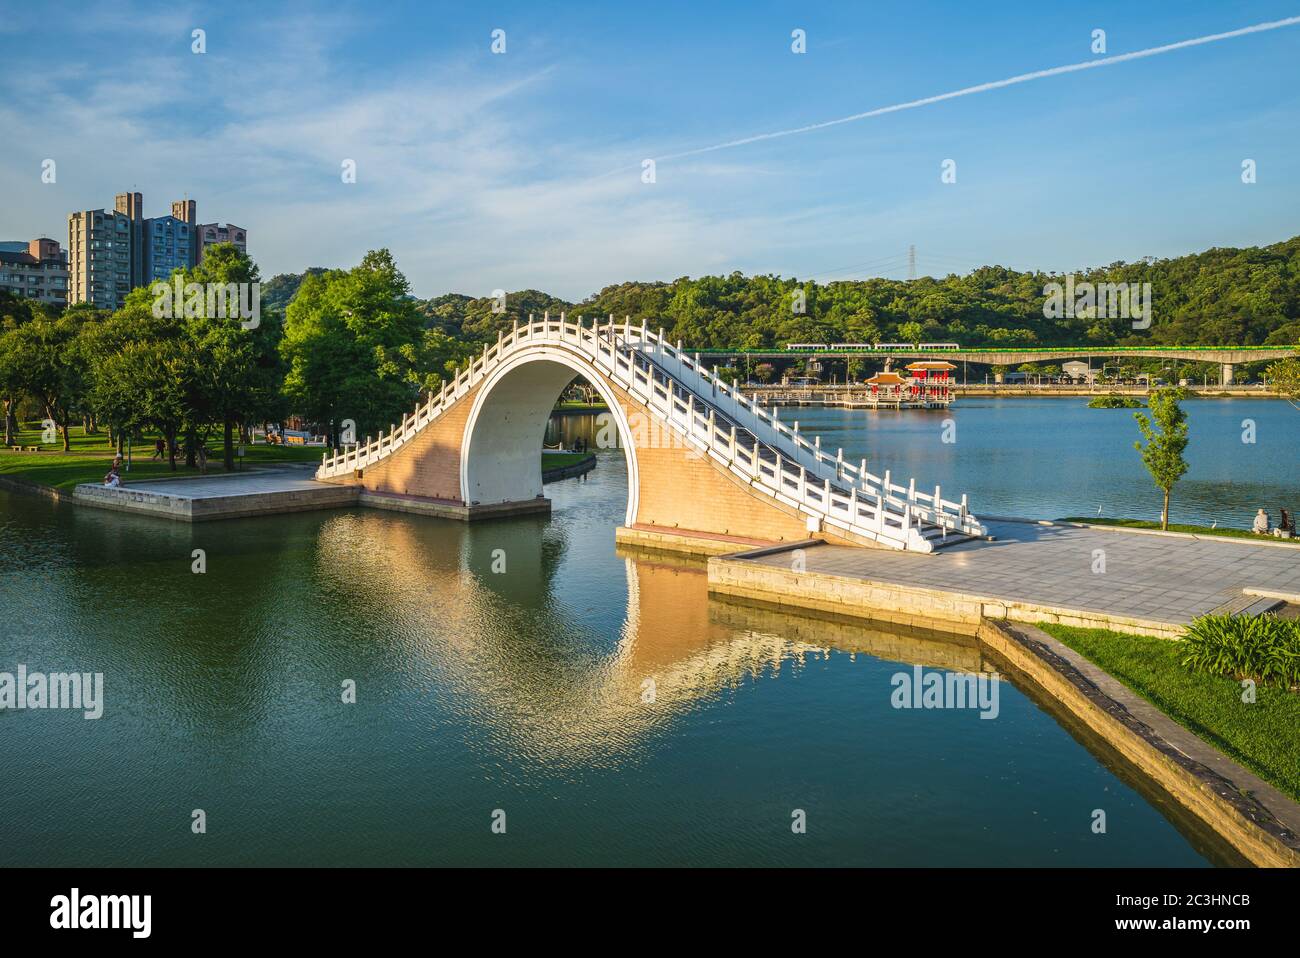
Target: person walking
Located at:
point(159, 450)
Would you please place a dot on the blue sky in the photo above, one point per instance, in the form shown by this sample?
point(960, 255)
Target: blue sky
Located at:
point(485, 171)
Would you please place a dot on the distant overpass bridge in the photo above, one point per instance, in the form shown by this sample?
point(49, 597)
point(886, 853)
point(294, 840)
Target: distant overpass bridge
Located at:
point(1226, 357)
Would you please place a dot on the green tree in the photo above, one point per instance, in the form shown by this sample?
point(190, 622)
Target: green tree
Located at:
point(14, 312)
point(145, 384)
point(226, 371)
point(50, 368)
point(1166, 437)
point(911, 332)
point(1284, 377)
point(350, 343)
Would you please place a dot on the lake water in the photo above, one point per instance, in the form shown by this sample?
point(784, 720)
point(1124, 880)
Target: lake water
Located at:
point(1050, 458)
point(522, 690)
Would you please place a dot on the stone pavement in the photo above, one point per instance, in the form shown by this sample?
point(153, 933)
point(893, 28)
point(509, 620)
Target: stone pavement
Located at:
point(1157, 577)
point(261, 492)
point(280, 479)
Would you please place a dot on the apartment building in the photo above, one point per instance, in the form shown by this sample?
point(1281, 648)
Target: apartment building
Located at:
point(99, 257)
point(38, 270)
point(112, 252)
point(168, 246)
point(212, 233)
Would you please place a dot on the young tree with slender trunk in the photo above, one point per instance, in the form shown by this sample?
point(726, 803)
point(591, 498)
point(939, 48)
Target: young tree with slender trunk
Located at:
point(1166, 435)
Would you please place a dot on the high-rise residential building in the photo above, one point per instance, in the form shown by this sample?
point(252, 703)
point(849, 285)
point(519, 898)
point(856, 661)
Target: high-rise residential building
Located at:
point(187, 212)
point(212, 233)
point(112, 252)
point(131, 205)
point(39, 271)
point(168, 246)
point(99, 257)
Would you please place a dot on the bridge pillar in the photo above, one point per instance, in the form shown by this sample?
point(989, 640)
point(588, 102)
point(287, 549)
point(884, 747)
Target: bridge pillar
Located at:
point(1227, 374)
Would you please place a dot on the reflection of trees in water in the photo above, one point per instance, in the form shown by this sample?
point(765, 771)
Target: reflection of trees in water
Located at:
point(566, 428)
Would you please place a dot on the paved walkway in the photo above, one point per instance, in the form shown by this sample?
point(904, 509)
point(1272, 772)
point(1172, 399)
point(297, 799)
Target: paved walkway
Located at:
point(280, 479)
point(264, 492)
point(1164, 578)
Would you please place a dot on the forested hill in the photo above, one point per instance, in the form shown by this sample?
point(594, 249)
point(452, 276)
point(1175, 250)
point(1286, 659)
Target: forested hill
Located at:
point(1222, 296)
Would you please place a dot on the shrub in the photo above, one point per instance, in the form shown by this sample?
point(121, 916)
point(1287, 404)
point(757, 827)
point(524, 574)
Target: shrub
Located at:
point(1264, 648)
point(1114, 401)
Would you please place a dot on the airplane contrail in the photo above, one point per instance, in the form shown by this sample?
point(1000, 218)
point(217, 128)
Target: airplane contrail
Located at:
point(994, 85)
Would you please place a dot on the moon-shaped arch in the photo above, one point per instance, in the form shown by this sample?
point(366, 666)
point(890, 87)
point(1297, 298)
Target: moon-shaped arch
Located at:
point(499, 456)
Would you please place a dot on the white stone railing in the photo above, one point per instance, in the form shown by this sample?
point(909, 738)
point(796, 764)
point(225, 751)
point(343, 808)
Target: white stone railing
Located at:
point(779, 461)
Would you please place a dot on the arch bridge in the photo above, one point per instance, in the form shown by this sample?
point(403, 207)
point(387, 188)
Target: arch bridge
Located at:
point(703, 460)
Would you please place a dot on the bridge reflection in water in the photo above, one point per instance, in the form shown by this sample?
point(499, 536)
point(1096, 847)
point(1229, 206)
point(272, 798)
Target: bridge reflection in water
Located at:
point(542, 675)
point(550, 689)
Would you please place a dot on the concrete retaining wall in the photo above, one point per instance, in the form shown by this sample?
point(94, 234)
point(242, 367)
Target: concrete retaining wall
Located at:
point(1226, 802)
point(891, 602)
point(138, 499)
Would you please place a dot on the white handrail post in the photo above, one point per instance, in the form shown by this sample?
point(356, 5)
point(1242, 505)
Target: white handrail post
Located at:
point(964, 511)
point(755, 461)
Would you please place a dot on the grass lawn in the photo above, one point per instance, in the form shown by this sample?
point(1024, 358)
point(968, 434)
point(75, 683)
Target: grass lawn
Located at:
point(1178, 527)
point(558, 460)
point(1261, 736)
point(91, 456)
point(574, 405)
